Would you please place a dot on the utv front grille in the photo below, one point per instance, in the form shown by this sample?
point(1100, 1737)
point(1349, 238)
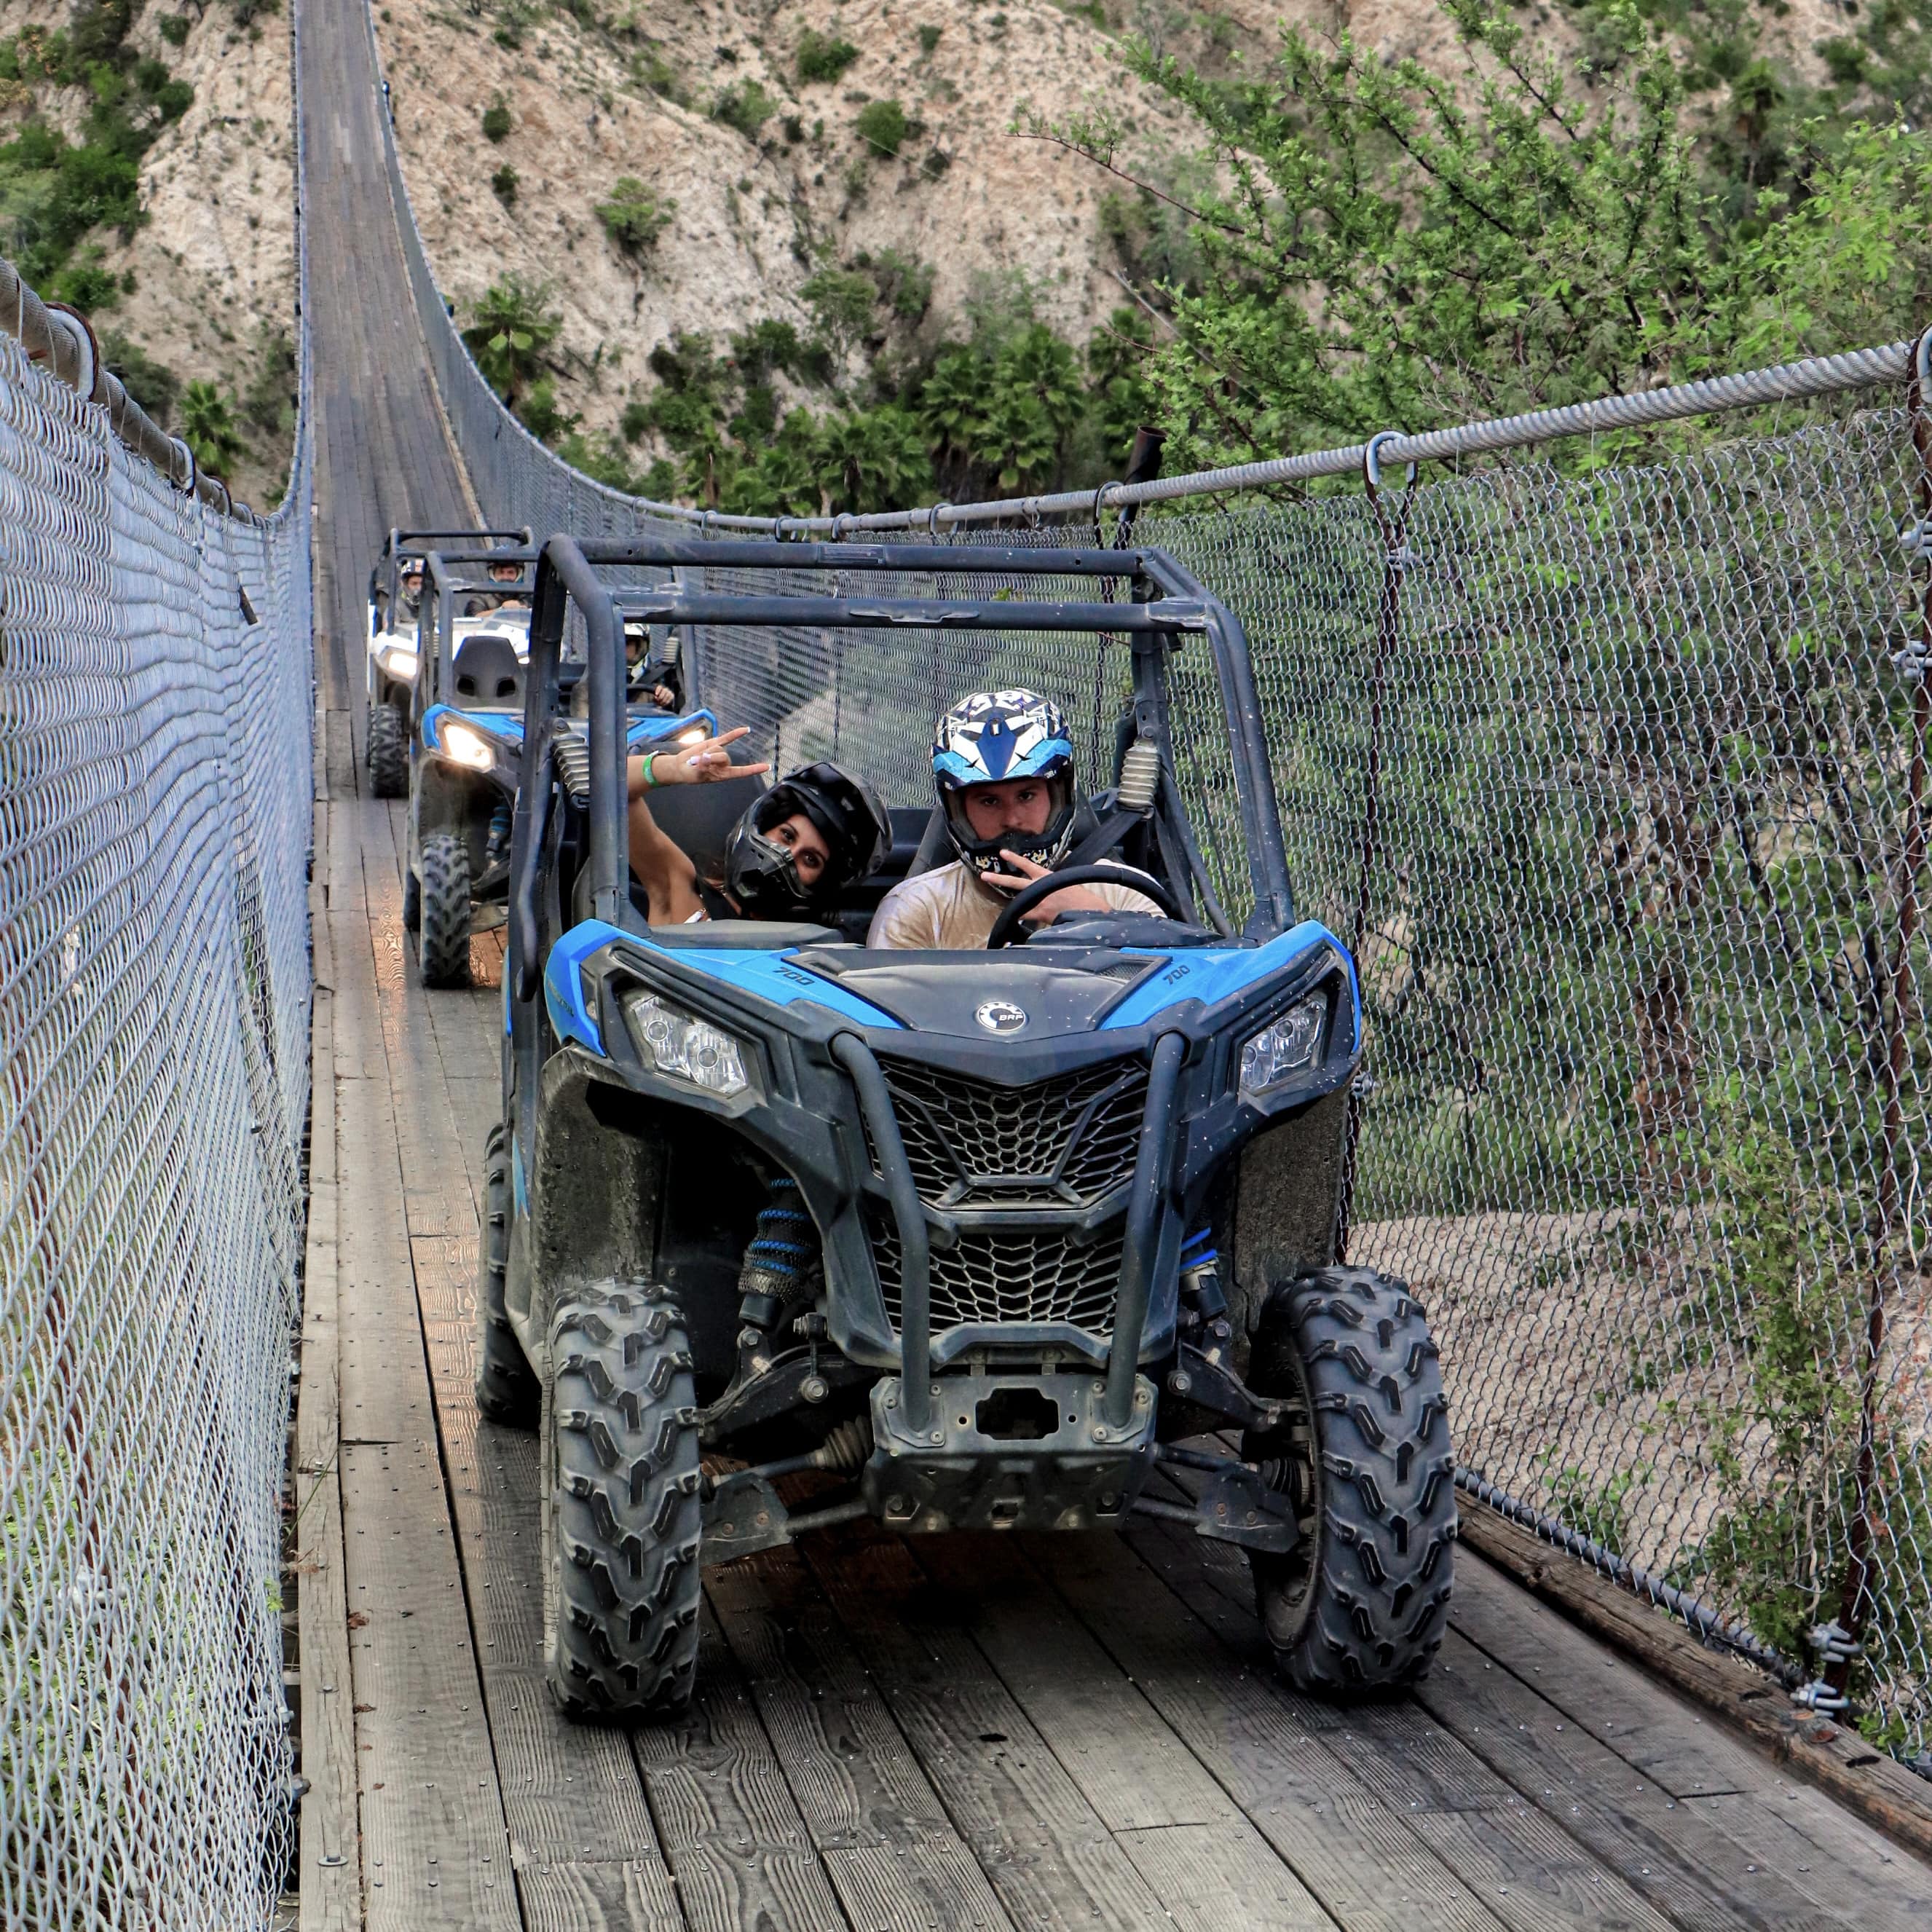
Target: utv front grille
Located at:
point(1010, 1275)
point(1065, 1141)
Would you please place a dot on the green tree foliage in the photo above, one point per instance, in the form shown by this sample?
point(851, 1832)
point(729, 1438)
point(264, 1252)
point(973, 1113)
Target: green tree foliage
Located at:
point(503, 184)
point(822, 57)
point(842, 301)
point(1364, 243)
point(509, 334)
point(55, 191)
point(634, 216)
point(883, 126)
point(207, 427)
point(152, 384)
point(496, 120)
point(746, 106)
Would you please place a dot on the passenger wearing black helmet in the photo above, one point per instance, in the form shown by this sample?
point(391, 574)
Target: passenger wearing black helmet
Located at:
point(817, 830)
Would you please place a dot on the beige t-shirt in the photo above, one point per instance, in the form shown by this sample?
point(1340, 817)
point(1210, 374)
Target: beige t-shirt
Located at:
point(948, 910)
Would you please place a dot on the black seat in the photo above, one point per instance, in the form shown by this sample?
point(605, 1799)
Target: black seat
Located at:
point(488, 673)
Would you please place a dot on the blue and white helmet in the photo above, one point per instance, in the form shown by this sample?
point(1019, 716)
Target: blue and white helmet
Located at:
point(991, 738)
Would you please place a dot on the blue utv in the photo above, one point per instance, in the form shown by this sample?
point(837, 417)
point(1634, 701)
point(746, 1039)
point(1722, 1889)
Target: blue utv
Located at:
point(466, 705)
point(390, 664)
point(994, 1239)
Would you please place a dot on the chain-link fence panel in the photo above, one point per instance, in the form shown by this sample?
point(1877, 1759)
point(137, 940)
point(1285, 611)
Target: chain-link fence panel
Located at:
point(1613, 778)
point(1614, 782)
point(155, 780)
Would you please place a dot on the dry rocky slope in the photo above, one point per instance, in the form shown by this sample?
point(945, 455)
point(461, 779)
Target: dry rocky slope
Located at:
point(213, 264)
point(604, 89)
point(756, 215)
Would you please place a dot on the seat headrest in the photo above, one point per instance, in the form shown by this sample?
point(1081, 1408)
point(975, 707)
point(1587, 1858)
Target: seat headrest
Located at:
point(488, 673)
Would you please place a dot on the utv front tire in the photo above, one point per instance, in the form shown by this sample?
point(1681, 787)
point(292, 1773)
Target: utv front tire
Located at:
point(442, 938)
point(621, 1574)
point(1359, 1606)
point(506, 1390)
point(388, 752)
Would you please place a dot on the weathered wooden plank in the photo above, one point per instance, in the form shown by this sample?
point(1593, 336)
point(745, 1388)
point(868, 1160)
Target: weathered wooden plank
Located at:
point(571, 1792)
point(625, 1895)
point(432, 1817)
point(1823, 1852)
point(1276, 1755)
point(892, 1854)
point(331, 1869)
point(1128, 1763)
point(1646, 1724)
point(730, 1830)
point(1837, 1761)
point(1216, 1878)
point(1048, 1854)
point(1669, 1855)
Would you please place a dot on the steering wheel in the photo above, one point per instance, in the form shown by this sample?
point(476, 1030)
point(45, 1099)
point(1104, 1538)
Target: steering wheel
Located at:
point(1030, 895)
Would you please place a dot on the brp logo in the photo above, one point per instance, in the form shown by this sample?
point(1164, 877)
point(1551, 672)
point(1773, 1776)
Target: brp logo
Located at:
point(1001, 1016)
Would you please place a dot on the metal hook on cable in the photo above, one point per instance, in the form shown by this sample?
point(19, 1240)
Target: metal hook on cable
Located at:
point(1371, 458)
point(932, 519)
point(1100, 504)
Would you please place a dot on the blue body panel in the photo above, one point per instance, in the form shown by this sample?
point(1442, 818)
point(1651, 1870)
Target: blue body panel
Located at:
point(506, 727)
point(1212, 973)
point(767, 976)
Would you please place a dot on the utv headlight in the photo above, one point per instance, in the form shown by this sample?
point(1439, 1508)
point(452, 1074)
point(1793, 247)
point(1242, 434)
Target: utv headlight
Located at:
point(399, 661)
point(685, 1047)
point(467, 747)
point(1283, 1047)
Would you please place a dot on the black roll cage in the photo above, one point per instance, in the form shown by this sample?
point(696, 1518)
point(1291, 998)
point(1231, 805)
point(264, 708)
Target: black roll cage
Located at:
point(446, 589)
point(1168, 602)
point(385, 575)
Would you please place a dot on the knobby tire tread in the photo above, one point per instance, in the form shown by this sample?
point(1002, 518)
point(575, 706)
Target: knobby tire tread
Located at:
point(624, 1548)
point(1386, 1488)
point(443, 936)
point(507, 1390)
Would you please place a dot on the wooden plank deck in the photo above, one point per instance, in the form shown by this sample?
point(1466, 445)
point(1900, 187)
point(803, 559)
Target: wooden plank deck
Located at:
point(973, 1733)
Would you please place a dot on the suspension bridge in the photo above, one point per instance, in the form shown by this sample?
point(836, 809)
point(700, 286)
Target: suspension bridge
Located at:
point(974, 1733)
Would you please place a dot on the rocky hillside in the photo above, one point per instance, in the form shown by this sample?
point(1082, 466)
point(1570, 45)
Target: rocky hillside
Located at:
point(172, 129)
point(640, 175)
point(779, 139)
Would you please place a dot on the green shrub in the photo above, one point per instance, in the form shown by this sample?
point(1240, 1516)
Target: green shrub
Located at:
point(634, 216)
point(495, 121)
point(928, 39)
point(842, 301)
point(207, 427)
point(883, 127)
point(747, 107)
point(88, 288)
point(822, 58)
point(635, 420)
point(173, 29)
point(511, 327)
point(503, 184)
point(153, 385)
point(540, 414)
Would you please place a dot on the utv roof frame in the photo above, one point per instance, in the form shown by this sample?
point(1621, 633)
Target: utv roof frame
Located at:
point(1168, 602)
point(436, 569)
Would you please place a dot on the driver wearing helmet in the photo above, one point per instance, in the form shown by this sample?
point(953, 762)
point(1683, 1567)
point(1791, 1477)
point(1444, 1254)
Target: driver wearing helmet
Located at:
point(1003, 764)
point(803, 841)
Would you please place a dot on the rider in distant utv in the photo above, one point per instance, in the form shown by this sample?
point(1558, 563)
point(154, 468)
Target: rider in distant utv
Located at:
point(1004, 765)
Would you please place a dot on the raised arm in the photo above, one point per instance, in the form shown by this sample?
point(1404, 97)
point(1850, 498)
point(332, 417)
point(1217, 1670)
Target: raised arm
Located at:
point(669, 878)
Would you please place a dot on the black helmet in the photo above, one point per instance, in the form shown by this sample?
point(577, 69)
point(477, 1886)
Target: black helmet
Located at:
point(762, 875)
